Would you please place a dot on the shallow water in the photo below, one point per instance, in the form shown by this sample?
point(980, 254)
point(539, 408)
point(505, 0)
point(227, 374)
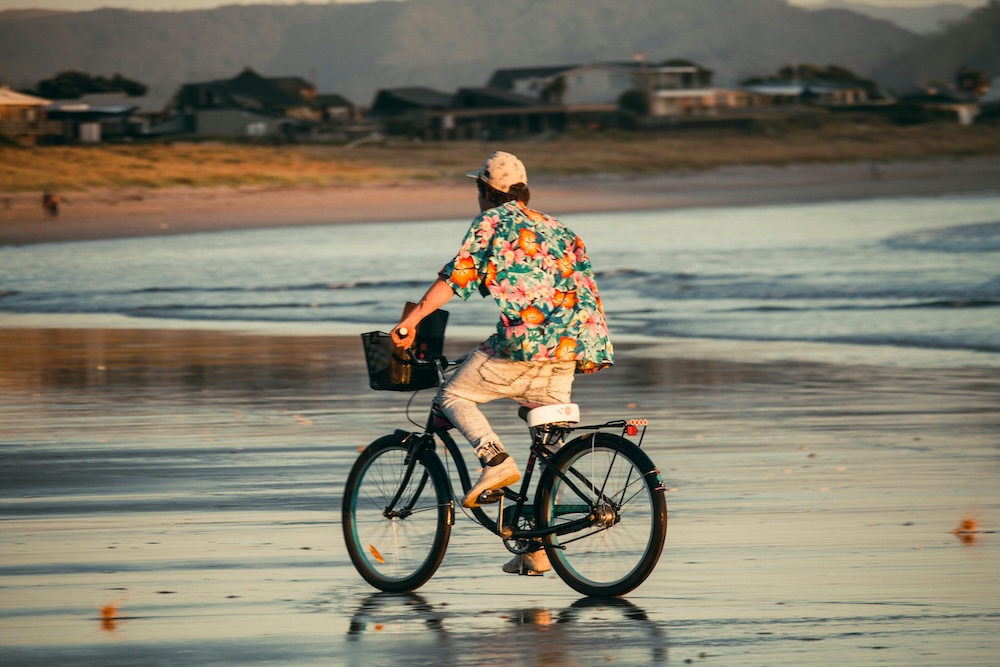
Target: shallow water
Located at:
point(192, 479)
point(903, 273)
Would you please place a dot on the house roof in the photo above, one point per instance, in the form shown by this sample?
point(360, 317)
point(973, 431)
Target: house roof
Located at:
point(10, 97)
point(290, 82)
point(505, 78)
point(797, 88)
point(149, 104)
point(468, 98)
point(414, 97)
point(77, 106)
point(333, 100)
point(247, 90)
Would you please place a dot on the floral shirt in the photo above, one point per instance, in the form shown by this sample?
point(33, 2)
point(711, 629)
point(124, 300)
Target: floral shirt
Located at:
point(539, 273)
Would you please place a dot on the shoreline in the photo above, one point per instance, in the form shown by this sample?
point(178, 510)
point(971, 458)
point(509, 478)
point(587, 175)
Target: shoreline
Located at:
point(106, 214)
point(344, 335)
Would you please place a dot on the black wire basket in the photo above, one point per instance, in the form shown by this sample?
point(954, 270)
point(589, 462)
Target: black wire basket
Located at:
point(392, 368)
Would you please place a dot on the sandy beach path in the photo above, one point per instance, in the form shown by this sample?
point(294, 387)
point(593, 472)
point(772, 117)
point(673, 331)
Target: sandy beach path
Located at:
point(147, 212)
point(188, 483)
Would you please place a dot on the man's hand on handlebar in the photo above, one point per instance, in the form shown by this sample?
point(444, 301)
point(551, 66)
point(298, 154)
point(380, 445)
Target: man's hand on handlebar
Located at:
point(404, 336)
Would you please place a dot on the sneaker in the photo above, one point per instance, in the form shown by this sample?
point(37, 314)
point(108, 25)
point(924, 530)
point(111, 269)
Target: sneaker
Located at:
point(494, 477)
point(531, 563)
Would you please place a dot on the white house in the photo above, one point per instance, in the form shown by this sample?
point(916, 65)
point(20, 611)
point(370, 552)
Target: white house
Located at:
point(675, 88)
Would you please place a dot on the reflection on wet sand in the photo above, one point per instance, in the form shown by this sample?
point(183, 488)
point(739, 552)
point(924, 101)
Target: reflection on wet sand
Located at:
point(820, 513)
point(590, 630)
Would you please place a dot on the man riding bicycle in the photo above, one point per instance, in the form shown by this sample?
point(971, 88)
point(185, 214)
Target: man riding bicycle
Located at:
point(551, 326)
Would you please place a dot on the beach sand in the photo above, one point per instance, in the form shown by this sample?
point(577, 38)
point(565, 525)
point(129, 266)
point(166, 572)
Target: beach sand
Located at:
point(172, 496)
point(189, 484)
point(112, 214)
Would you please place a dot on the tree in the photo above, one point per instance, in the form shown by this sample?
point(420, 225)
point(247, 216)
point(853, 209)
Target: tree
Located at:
point(634, 102)
point(555, 90)
point(970, 82)
point(72, 85)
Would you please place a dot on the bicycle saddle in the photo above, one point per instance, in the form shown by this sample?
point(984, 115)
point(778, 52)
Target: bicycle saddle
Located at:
point(539, 415)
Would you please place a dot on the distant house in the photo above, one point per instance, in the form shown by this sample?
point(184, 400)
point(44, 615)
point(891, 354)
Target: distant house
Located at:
point(336, 109)
point(821, 93)
point(469, 113)
point(943, 100)
point(493, 113)
point(23, 118)
point(568, 84)
point(248, 105)
point(413, 111)
point(91, 123)
point(541, 83)
point(674, 88)
point(411, 101)
point(117, 113)
point(993, 92)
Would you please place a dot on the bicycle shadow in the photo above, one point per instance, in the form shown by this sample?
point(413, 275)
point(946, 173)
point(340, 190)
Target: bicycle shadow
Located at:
point(391, 626)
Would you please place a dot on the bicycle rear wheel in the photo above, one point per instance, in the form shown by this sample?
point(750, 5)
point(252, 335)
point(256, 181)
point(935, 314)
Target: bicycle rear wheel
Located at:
point(613, 485)
point(396, 548)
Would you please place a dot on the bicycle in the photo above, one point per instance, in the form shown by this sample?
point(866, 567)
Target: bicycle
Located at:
point(599, 509)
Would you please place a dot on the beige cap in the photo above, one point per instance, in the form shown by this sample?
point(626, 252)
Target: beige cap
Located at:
point(501, 171)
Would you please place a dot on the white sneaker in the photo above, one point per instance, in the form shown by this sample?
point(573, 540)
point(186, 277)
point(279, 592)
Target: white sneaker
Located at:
point(531, 563)
point(493, 478)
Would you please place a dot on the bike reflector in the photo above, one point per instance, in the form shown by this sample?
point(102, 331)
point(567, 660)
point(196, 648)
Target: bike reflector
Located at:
point(632, 427)
point(378, 556)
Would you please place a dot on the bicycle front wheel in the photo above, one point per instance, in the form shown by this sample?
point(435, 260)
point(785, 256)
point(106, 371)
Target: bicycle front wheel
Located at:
point(610, 513)
point(396, 546)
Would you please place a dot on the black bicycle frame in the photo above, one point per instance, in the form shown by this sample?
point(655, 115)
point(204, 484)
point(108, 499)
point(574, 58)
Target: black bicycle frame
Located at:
point(417, 442)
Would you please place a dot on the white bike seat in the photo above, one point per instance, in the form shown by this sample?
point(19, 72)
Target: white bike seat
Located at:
point(550, 414)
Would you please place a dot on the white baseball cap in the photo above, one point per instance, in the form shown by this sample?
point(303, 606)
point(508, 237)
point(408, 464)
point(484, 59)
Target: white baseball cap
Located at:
point(501, 171)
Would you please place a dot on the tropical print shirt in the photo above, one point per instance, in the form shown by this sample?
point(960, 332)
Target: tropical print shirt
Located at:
point(539, 273)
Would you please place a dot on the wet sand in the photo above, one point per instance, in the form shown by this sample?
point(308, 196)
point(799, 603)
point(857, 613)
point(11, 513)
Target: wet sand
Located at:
point(146, 212)
point(189, 483)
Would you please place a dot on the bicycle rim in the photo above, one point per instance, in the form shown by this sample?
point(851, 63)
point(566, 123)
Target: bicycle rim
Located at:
point(396, 551)
point(621, 548)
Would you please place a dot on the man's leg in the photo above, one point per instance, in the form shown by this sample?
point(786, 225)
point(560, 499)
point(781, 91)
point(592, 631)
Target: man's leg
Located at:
point(482, 379)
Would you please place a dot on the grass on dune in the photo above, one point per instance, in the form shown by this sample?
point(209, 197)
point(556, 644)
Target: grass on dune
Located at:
point(218, 164)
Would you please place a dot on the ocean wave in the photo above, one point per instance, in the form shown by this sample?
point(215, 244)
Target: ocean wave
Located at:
point(264, 289)
point(819, 306)
point(979, 237)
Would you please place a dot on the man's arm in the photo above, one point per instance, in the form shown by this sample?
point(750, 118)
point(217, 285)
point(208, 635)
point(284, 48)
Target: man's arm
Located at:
point(438, 294)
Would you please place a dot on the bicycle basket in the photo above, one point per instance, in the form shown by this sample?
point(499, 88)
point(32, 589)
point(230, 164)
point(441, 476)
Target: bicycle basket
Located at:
point(391, 368)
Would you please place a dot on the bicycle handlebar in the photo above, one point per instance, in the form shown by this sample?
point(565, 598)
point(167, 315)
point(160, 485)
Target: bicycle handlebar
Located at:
point(445, 362)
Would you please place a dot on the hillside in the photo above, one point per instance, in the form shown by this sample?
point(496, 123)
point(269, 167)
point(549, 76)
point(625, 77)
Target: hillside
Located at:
point(971, 42)
point(918, 19)
point(354, 49)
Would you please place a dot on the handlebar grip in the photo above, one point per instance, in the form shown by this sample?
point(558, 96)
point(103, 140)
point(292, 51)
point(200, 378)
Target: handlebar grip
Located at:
point(403, 332)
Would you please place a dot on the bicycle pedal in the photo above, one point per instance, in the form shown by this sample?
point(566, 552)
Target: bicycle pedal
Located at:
point(490, 497)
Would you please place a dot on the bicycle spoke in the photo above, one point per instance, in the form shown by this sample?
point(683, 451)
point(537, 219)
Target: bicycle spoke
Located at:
point(625, 510)
point(395, 546)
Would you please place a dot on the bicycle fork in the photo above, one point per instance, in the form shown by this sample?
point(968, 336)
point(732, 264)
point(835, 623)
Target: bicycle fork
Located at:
point(416, 445)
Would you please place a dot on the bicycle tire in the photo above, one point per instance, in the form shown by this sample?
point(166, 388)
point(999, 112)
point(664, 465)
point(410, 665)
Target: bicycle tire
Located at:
point(396, 554)
point(620, 550)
